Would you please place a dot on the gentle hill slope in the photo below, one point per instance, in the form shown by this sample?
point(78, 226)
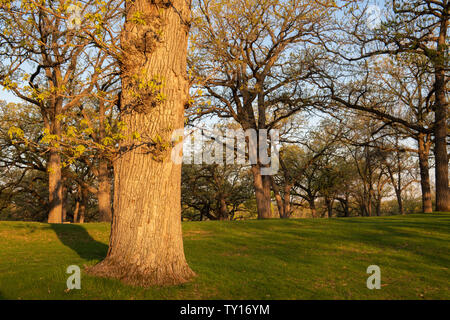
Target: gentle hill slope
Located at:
point(273, 259)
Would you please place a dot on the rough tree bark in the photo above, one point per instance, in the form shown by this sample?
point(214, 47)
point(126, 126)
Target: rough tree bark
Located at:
point(146, 245)
point(278, 199)
point(262, 193)
point(55, 187)
point(104, 192)
point(424, 153)
point(104, 181)
point(281, 201)
point(440, 125)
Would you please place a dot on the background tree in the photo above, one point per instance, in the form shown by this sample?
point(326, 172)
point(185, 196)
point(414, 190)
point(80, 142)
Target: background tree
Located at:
point(243, 58)
point(408, 79)
point(48, 61)
point(297, 156)
point(216, 192)
point(418, 27)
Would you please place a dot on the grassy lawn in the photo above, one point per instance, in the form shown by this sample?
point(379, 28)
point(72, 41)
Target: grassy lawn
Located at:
point(274, 259)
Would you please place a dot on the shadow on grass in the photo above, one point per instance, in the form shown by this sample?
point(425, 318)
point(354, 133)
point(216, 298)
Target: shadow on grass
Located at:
point(424, 239)
point(421, 239)
point(79, 240)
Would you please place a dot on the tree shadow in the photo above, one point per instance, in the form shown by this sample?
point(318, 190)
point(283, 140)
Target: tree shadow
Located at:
point(79, 240)
point(411, 236)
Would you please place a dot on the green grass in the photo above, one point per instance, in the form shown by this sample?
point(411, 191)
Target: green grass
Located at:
point(273, 259)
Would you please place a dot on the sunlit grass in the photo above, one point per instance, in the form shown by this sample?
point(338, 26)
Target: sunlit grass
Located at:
point(273, 259)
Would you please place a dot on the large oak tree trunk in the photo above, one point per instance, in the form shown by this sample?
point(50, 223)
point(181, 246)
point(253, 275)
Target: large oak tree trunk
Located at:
point(55, 187)
point(54, 165)
point(424, 150)
point(146, 245)
point(262, 193)
point(440, 151)
point(440, 125)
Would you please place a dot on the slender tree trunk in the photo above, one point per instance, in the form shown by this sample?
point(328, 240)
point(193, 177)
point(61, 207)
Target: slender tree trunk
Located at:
point(440, 124)
point(344, 204)
point(397, 185)
point(104, 181)
point(364, 200)
point(83, 204)
point(262, 193)
point(55, 187)
point(378, 206)
point(278, 198)
point(362, 209)
point(76, 211)
point(283, 203)
point(104, 192)
point(424, 150)
point(224, 214)
point(287, 201)
point(369, 202)
point(65, 201)
point(146, 244)
point(398, 194)
point(329, 204)
point(205, 212)
point(312, 206)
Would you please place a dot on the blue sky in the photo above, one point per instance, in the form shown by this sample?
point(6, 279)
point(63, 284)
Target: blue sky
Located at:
point(8, 97)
